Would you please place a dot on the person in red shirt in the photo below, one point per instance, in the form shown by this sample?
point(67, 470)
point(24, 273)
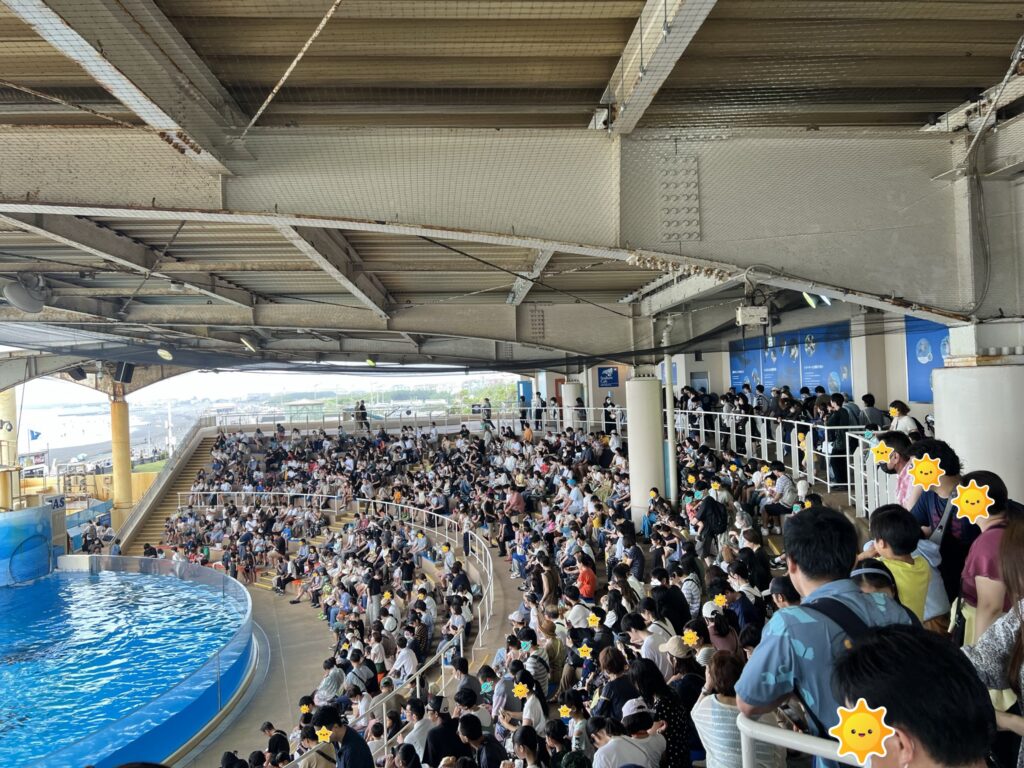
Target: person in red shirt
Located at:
point(586, 579)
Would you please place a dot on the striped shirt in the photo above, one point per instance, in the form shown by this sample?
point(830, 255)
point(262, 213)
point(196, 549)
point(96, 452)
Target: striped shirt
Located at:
point(716, 726)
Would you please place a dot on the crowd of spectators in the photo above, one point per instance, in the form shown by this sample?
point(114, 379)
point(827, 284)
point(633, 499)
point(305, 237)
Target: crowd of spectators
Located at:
point(645, 627)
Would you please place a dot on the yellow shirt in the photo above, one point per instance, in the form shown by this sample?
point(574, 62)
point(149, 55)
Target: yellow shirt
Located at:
point(912, 582)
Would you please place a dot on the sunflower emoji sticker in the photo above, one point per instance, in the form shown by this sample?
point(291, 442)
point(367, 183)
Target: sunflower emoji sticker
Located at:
point(926, 472)
point(861, 731)
point(972, 501)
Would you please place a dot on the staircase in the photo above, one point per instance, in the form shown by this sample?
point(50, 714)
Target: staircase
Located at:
point(151, 529)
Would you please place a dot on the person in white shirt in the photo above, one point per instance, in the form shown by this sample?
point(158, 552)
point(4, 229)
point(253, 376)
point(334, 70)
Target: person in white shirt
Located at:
point(613, 748)
point(650, 638)
point(638, 720)
point(406, 664)
point(415, 713)
point(579, 614)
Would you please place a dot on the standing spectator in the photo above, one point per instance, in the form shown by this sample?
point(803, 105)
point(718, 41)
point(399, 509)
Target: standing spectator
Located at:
point(821, 547)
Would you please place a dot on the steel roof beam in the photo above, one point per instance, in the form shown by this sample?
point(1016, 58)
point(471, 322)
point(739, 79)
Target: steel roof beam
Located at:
point(662, 33)
point(109, 245)
point(329, 250)
point(522, 285)
point(687, 289)
point(132, 50)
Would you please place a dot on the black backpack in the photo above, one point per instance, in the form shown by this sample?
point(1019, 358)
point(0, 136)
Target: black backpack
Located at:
point(714, 516)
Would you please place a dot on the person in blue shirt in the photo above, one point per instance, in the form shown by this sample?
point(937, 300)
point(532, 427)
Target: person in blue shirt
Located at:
point(800, 644)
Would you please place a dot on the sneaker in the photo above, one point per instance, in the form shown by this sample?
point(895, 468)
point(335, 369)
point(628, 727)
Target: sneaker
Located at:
point(776, 531)
point(294, 602)
point(765, 530)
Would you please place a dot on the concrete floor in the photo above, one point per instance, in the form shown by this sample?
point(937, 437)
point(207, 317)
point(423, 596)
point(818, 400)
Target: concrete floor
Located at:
point(299, 642)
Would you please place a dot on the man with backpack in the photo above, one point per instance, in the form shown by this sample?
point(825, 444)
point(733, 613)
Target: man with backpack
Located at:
point(712, 521)
point(799, 645)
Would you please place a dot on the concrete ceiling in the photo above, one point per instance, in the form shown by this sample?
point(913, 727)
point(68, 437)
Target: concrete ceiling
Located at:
point(419, 183)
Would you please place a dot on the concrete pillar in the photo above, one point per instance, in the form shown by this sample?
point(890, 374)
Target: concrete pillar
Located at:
point(670, 432)
point(570, 391)
point(971, 415)
point(121, 458)
point(646, 452)
point(8, 445)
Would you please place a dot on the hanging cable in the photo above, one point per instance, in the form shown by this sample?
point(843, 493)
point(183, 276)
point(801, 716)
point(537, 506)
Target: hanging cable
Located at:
point(291, 67)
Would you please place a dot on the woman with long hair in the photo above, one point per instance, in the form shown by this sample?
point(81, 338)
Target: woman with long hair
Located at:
point(670, 716)
point(575, 700)
point(528, 746)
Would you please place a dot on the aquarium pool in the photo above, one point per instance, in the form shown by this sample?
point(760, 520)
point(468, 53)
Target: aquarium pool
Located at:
point(113, 659)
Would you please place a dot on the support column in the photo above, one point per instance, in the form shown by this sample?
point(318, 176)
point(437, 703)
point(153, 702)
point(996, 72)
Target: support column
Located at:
point(121, 458)
point(984, 374)
point(570, 391)
point(672, 470)
point(646, 457)
point(8, 446)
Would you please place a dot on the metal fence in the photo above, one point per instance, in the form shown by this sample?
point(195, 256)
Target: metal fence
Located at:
point(440, 529)
point(445, 418)
point(821, 454)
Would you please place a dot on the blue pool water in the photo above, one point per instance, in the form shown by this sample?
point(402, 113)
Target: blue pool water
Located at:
point(79, 651)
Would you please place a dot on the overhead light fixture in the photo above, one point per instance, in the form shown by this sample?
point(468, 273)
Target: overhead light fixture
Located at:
point(164, 354)
point(826, 299)
point(247, 343)
point(811, 301)
point(371, 362)
point(28, 293)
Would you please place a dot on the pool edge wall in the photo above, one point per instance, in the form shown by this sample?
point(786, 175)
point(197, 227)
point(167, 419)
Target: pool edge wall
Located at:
point(162, 727)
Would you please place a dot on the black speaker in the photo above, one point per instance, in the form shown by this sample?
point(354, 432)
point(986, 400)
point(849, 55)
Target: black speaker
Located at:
point(698, 357)
point(77, 373)
point(124, 372)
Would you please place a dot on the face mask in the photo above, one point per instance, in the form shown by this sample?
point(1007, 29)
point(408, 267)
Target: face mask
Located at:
point(655, 582)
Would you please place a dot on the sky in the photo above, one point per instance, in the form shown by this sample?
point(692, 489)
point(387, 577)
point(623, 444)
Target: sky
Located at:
point(228, 385)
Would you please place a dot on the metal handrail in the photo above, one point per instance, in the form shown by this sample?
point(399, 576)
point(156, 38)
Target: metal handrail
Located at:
point(753, 731)
point(768, 438)
point(440, 527)
point(445, 417)
point(186, 447)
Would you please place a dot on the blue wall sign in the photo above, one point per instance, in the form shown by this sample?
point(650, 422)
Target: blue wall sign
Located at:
point(927, 349)
point(607, 377)
point(806, 358)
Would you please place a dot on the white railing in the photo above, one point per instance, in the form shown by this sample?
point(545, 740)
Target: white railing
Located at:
point(754, 731)
point(805, 447)
point(214, 498)
point(446, 418)
point(186, 447)
point(870, 487)
point(439, 528)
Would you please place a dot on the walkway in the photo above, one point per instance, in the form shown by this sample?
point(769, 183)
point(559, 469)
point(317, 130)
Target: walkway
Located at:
point(298, 645)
